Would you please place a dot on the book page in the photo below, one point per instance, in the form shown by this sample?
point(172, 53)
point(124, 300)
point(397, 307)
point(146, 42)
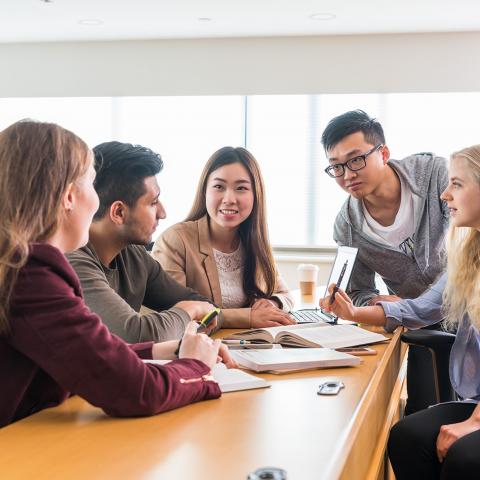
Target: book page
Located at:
point(274, 331)
point(337, 336)
point(269, 334)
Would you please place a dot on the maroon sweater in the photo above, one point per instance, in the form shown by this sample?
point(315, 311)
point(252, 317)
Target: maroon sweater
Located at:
point(57, 347)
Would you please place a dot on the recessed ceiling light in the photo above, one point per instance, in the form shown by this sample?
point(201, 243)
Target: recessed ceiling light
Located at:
point(90, 21)
point(46, 1)
point(322, 16)
point(204, 19)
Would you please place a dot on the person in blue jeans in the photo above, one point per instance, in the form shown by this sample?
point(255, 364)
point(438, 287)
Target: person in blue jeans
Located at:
point(442, 441)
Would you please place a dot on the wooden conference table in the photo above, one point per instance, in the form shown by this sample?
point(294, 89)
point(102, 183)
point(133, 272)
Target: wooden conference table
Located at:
point(287, 426)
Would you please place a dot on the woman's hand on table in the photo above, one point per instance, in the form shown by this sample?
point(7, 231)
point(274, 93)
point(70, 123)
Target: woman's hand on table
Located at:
point(265, 313)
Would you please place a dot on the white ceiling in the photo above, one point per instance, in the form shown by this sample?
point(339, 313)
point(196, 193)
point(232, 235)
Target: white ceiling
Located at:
point(58, 20)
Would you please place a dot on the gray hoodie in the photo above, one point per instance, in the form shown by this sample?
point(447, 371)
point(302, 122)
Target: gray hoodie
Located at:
point(427, 177)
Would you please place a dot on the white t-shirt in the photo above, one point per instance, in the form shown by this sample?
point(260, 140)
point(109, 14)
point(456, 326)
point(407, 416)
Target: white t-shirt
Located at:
point(230, 275)
point(401, 234)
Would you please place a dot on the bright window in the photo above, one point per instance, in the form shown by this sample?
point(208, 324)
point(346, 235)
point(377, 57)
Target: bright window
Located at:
point(282, 131)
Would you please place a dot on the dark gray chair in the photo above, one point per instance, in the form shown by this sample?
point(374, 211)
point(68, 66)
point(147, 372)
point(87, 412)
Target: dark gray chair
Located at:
point(439, 344)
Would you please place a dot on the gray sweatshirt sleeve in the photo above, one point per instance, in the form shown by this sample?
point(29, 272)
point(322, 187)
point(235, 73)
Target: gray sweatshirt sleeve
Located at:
point(362, 285)
point(416, 313)
point(120, 318)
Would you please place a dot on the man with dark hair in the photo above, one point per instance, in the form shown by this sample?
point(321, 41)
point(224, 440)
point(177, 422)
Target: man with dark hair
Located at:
point(117, 274)
point(393, 215)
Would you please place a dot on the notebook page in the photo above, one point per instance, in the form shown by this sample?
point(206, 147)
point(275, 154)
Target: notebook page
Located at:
point(233, 379)
point(229, 379)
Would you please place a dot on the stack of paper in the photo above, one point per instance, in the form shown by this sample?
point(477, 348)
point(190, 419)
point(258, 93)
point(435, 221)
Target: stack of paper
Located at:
point(293, 359)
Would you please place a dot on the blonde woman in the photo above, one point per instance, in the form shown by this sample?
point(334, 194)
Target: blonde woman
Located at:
point(51, 344)
point(442, 441)
point(222, 249)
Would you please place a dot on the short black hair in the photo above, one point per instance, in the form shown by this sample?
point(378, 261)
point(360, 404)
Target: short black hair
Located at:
point(352, 122)
point(121, 169)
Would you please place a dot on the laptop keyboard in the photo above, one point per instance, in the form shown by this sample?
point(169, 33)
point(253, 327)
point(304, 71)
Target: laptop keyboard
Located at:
point(310, 316)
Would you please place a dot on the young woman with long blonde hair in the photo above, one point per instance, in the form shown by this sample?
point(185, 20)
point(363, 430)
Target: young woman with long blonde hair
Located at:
point(222, 249)
point(51, 344)
point(442, 441)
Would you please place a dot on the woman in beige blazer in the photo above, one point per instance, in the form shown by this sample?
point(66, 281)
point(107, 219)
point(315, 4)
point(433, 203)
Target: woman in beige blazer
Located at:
point(222, 249)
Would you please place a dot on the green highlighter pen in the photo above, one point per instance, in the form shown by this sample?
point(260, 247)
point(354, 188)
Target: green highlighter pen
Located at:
point(208, 318)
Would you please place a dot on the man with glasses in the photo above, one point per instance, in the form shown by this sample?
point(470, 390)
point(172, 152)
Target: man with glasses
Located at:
point(394, 216)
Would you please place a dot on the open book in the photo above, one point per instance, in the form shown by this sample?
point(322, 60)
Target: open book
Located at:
point(293, 359)
point(229, 379)
point(311, 335)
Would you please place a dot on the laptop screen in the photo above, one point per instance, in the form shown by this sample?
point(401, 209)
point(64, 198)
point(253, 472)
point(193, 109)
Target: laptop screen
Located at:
point(345, 258)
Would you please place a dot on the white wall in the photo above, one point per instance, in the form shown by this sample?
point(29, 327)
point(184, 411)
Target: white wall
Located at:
point(280, 65)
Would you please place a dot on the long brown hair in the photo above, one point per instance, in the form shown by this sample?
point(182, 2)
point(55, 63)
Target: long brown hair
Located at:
point(259, 279)
point(38, 161)
point(462, 291)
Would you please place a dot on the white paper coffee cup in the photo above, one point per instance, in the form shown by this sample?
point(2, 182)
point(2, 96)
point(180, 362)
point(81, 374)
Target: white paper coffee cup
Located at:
point(307, 277)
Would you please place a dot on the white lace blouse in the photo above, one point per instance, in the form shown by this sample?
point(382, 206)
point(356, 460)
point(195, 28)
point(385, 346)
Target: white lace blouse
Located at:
point(230, 273)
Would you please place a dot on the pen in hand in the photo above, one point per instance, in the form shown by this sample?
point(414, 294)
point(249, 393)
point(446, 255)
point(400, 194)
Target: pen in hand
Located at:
point(339, 282)
point(208, 318)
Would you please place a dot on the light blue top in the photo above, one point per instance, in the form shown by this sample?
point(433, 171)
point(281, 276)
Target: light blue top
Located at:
point(427, 310)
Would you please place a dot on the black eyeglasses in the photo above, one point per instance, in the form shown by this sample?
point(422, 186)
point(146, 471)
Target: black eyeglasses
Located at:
point(353, 164)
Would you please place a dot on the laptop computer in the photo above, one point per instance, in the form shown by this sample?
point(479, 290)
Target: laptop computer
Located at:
point(344, 260)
